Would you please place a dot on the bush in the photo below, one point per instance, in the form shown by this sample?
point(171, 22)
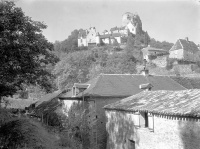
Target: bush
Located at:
point(25, 133)
point(5, 116)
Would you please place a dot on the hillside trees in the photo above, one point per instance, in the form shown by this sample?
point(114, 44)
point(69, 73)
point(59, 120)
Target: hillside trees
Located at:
point(160, 45)
point(134, 46)
point(69, 45)
point(80, 66)
point(24, 51)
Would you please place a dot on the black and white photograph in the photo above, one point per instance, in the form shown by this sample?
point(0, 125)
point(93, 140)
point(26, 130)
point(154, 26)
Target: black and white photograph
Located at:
point(99, 74)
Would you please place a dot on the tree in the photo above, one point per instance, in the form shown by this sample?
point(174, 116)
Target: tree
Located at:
point(133, 47)
point(24, 51)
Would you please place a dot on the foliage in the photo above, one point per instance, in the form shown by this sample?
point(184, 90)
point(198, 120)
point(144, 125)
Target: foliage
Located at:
point(25, 52)
point(69, 45)
point(25, 133)
point(170, 63)
point(76, 124)
point(5, 115)
point(80, 66)
point(160, 45)
point(124, 39)
point(115, 43)
point(74, 67)
point(134, 47)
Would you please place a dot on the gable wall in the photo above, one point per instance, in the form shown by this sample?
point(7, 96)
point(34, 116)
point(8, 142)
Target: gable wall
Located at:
point(176, 54)
point(99, 123)
point(169, 132)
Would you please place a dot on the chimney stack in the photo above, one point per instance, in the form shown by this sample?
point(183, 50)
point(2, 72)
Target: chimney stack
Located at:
point(186, 38)
point(146, 87)
point(145, 72)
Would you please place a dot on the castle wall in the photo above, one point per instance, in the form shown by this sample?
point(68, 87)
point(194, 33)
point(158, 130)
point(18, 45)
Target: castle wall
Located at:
point(91, 37)
point(169, 132)
point(118, 39)
point(131, 28)
point(82, 42)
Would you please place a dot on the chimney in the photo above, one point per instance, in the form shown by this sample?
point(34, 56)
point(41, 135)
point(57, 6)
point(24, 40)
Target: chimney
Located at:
point(146, 87)
point(186, 38)
point(145, 72)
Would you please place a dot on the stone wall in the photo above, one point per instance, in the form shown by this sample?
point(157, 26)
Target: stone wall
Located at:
point(160, 61)
point(98, 121)
point(168, 133)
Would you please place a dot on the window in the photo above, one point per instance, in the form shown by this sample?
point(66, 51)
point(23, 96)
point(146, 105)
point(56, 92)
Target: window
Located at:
point(131, 144)
point(143, 119)
point(150, 122)
point(136, 117)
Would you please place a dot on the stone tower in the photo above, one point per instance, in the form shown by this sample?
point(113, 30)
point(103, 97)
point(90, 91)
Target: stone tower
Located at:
point(129, 18)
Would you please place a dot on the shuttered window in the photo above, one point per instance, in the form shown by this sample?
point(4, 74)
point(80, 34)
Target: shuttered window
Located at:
point(150, 121)
point(136, 117)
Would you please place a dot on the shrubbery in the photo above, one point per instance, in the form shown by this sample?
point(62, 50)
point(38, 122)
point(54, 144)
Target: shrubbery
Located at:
point(25, 133)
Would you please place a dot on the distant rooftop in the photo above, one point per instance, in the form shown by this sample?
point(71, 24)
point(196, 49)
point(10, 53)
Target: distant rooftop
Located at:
point(124, 85)
point(185, 44)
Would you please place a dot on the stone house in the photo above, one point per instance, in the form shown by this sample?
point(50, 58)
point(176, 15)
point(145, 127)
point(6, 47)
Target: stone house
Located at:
point(155, 120)
point(109, 88)
point(185, 50)
point(151, 51)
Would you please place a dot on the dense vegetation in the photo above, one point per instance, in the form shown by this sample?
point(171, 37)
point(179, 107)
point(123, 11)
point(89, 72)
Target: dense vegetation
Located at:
point(25, 52)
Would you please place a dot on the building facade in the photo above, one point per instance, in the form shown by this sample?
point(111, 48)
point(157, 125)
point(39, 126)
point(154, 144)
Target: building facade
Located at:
point(155, 120)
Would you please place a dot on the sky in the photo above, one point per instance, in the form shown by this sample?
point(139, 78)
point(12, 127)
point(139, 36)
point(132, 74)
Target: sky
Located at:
point(163, 20)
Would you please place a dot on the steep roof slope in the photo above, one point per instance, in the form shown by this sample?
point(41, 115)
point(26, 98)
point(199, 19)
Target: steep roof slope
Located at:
point(186, 45)
point(127, 84)
point(184, 102)
point(188, 82)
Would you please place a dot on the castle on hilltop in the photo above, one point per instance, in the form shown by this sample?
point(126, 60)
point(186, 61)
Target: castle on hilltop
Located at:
point(130, 24)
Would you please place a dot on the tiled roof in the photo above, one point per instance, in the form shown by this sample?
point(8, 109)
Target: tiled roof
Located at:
point(105, 36)
point(186, 45)
point(48, 97)
point(182, 103)
point(110, 35)
point(188, 82)
point(48, 103)
point(124, 85)
point(154, 49)
point(116, 35)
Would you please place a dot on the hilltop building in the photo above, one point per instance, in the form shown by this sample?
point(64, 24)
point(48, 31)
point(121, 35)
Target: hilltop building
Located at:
point(91, 37)
point(185, 50)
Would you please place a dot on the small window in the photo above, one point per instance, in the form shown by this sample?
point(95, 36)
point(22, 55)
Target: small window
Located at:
point(143, 119)
point(96, 116)
point(151, 121)
point(131, 144)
